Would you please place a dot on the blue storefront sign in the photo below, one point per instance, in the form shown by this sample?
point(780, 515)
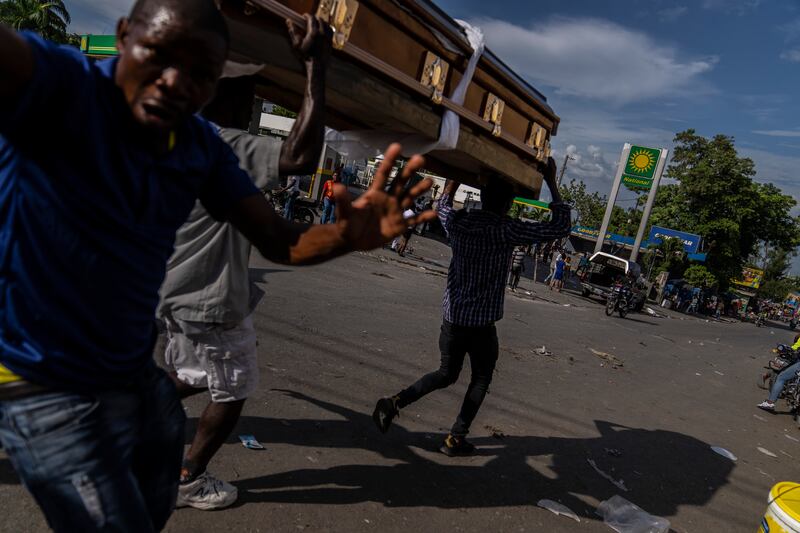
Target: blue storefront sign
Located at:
point(691, 242)
point(594, 233)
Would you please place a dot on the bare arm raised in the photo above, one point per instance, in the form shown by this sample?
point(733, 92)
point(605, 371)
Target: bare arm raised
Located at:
point(301, 150)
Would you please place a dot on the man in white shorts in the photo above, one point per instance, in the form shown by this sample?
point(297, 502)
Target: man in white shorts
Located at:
point(207, 298)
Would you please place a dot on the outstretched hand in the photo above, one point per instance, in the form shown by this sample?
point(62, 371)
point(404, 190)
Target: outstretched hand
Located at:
point(376, 217)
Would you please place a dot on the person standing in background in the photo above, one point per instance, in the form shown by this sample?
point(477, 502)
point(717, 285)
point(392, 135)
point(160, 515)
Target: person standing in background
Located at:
point(517, 258)
point(328, 201)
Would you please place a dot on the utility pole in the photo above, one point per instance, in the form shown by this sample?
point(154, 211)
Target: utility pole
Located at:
point(567, 159)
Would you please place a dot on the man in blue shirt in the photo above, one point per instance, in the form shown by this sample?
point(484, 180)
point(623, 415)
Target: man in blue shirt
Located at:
point(482, 241)
point(88, 214)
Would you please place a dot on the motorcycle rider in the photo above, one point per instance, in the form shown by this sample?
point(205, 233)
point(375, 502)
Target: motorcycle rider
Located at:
point(780, 382)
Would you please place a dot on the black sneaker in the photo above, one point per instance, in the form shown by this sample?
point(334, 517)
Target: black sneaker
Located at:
point(457, 447)
point(385, 411)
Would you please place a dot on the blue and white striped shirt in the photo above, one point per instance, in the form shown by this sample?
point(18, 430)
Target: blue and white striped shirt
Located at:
point(482, 243)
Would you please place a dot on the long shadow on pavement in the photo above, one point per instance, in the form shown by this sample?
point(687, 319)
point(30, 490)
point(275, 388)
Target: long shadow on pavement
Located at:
point(662, 470)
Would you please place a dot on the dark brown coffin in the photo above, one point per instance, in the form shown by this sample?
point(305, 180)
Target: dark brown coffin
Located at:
point(375, 82)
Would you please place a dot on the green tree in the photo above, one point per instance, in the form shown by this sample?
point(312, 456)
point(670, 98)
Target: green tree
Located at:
point(777, 263)
point(667, 256)
point(715, 196)
point(48, 18)
point(699, 276)
point(590, 207)
point(777, 289)
point(282, 112)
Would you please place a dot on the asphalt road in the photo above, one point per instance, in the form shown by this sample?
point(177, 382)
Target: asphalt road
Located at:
point(334, 338)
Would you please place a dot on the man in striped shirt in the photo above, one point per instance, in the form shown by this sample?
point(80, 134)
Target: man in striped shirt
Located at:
point(482, 241)
point(517, 259)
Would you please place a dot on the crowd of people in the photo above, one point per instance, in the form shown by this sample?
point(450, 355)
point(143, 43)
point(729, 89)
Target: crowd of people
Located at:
point(145, 208)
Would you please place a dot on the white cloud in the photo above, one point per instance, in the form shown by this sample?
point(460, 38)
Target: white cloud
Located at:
point(791, 55)
point(791, 29)
point(671, 14)
point(596, 59)
point(778, 133)
point(587, 165)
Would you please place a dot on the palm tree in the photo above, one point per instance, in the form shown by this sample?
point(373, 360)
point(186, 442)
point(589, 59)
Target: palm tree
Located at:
point(49, 18)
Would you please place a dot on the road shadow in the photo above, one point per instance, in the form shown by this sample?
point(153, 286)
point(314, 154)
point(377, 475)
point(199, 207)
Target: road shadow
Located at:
point(660, 469)
point(258, 274)
point(8, 476)
point(640, 321)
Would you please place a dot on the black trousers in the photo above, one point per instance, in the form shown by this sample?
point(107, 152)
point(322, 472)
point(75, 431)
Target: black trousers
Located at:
point(513, 277)
point(455, 342)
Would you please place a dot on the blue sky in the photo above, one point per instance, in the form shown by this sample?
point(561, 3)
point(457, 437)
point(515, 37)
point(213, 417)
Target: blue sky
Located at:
point(636, 71)
point(639, 71)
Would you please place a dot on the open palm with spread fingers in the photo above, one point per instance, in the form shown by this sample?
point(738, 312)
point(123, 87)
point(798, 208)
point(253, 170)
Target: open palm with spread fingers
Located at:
point(376, 217)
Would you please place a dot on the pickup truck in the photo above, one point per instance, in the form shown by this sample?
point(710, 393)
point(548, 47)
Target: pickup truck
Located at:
point(603, 270)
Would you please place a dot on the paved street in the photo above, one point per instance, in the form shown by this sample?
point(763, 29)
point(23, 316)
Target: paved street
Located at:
point(336, 337)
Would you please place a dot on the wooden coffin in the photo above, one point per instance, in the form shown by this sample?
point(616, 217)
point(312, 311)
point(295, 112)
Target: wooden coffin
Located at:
point(394, 65)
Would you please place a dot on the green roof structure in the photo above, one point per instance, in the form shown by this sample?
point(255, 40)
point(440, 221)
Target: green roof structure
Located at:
point(99, 45)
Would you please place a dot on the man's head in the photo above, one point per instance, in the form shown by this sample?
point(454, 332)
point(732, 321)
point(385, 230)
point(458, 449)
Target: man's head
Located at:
point(336, 177)
point(497, 196)
point(171, 53)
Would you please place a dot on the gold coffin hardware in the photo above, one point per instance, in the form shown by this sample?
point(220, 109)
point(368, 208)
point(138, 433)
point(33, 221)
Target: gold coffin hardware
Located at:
point(340, 14)
point(434, 75)
point(494, 113)
point(537, 139)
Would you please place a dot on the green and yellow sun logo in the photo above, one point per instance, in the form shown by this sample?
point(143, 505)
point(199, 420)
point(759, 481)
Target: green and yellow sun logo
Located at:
point(642, 161)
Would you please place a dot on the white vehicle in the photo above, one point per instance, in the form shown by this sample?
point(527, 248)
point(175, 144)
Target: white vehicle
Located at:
point(603, 271)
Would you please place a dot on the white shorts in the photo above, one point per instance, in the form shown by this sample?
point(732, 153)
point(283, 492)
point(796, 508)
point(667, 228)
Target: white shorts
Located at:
point(219, 357)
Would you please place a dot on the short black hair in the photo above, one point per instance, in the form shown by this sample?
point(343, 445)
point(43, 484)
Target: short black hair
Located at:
point(497, 195)
point(200, 13)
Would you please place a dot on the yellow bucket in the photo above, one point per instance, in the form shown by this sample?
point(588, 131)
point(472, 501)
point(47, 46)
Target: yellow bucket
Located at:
point(783, 511)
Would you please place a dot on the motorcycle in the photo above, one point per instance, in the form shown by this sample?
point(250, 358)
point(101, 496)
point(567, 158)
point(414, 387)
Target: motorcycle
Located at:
point(784, 356)
point(791, 393)
point(620, 300)
point(760, 321)
point(305, 209)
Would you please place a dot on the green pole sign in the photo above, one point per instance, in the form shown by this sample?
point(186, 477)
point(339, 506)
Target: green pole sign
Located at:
point(634, 182)
point(642, 162)
point(537, 204)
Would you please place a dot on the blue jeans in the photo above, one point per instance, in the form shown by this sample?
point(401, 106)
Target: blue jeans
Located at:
point(780, 382)
point(288, 209)
point(328, 211)
point(455, 342)
point(99, 462)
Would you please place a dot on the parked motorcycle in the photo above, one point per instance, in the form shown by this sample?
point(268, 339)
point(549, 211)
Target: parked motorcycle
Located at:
point(791, 393)
point(620, 300)
point(784, 356)
point(305, 209)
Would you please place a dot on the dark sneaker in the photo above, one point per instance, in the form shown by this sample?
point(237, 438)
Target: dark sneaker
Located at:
point(385, 411)
point(457, 447)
